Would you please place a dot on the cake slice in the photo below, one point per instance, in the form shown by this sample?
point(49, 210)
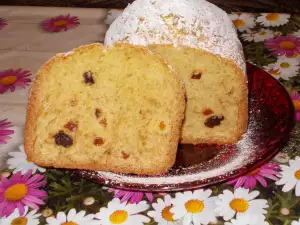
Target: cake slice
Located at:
point(114, 109)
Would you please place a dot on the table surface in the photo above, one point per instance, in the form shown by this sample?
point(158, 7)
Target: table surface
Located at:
point(25, 44)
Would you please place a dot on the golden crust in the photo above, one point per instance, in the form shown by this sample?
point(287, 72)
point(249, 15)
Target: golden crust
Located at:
point(35, 104)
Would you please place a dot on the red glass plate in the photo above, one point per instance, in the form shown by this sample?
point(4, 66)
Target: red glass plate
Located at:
point(271, 120)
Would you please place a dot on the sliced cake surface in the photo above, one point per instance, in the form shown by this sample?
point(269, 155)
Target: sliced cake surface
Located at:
point(217, 95)
point(116, 109)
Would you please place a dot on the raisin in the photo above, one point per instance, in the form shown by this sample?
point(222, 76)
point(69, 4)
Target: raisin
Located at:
point(103, 122)
point(98, 141)
point(61, 138)
point(88, 78)
point(71, 126)
point(213, 121)
point(207, 112)
point(196, 76)
point(125, 155)
point(98, 113)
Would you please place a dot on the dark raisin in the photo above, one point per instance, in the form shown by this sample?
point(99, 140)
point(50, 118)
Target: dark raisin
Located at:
point(125, 155)
point(88, 78)
point(98, 113)
point(207, 112)
point(71, 126)
point(61, 138)
point(98, 141)
point(213, 121)
point(103, 122)
point(196, 76)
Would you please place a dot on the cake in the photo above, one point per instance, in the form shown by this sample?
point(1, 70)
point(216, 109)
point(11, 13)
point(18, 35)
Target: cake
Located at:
point(199, 40)
point(116, 109)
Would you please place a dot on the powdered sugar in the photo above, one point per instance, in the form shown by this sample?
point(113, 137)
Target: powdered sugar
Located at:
point(193, 23)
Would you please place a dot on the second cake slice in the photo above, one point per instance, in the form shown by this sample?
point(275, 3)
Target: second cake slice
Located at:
point(116, 109)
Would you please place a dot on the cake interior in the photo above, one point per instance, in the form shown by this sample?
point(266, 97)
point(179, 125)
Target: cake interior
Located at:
point(115, 109)
point(217, 97)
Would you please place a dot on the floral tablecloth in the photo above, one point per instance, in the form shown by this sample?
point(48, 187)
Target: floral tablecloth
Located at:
point(31, 195)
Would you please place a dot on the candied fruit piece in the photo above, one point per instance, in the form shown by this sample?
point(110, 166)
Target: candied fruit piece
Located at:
point(162, 125)
point(103, 122)
point(98, 141)
point(61, 138)
point(71, 126)
point(207, 112)
point(125, 155)
point(98, 112)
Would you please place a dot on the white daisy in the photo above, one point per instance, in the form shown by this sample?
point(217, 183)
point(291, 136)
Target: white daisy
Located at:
point(273, 19)
point(162, 214)
point(112, 15)
point(290, 176)
point(295, 222)
point(73, 218)
point(289, 66)
point(30, 218)
point(19, 162)
point(123, 214)
point(282, 157)
point(242, 21)
point(194, 207)
point(284, 67)
point(296, 34)
point(257, 36)
point(242, 204)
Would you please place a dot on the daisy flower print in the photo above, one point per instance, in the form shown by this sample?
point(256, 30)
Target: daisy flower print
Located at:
point(73, 218)
point(3, 23)
point(194, 207)
point(5, 131)
point(273, 19)
point(123, 213)
point(162, 214)
point(284, 45)
point(61, 23)
point(26, 218)
point(19, 191)
point(12, 79)
point(258, 36)
point(242, 204)
point(290, 176)
point(242, 21)
point(131, 196)
point(19, 163)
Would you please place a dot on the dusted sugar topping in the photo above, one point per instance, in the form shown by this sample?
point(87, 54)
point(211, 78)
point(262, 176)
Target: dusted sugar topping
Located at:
point(193, 23)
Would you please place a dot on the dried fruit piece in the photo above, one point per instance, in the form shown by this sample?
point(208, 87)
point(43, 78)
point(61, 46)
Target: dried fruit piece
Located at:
point(103, 122)
point(207, 112)
point(162, 125)
point(98, 112)
point(88, 78)
point(61, 138)
point(71, 126)
point(73, 101)
point(125, 155)
point(213, 121)
point(196, 76)
point(98, 141)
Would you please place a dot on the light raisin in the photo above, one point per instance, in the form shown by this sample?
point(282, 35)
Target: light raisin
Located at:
point(162, 125)
point(103, 122)
point(213, 121)
point(98, 112)
point(61, 138)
